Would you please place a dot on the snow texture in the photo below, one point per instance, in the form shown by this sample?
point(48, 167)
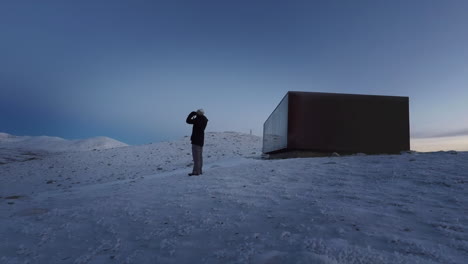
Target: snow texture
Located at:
point(136, 204)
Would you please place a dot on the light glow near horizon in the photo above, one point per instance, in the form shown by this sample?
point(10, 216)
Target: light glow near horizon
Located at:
point(457, 143)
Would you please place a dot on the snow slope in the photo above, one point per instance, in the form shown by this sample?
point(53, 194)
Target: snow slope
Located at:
point(137, 205)
point(56, 144)
point(24, 148)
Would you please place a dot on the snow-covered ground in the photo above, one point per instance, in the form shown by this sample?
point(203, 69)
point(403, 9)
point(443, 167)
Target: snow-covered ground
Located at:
point(136, 204)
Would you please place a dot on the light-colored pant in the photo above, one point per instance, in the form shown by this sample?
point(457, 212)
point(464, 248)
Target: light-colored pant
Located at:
point(197, 154)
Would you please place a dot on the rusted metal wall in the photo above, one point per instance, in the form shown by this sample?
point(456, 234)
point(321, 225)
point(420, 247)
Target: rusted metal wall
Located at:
point(347, 123)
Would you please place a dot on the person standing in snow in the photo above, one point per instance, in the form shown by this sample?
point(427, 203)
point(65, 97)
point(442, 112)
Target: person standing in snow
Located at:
point(199, 122)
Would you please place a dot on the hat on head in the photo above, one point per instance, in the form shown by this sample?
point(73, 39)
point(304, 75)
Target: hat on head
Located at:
point(200, 112)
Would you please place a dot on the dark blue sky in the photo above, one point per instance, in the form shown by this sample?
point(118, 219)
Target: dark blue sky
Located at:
point(133, 70)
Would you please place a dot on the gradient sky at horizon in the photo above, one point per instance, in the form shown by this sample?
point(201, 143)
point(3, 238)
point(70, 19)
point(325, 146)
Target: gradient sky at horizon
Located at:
point(133, 70)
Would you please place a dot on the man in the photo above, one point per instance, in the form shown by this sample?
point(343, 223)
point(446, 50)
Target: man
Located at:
point(199, 121)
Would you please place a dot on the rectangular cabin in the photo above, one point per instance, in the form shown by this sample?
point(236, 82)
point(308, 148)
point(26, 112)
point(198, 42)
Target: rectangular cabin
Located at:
point(342, 123)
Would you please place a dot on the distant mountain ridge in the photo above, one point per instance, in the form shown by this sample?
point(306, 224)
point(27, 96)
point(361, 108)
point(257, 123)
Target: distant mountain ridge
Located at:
point(57, 144)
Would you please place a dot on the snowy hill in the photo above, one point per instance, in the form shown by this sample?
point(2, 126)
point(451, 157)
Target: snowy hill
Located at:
point(23, 148)
point(4, 136)
point(136, 204)
point(132, 161)
point(56, 144)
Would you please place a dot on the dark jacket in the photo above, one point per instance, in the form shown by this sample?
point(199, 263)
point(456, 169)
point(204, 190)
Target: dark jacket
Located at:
point(198, 130)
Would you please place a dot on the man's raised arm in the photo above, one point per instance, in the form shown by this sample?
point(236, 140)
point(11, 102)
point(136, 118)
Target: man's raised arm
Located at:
point(190, 118)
